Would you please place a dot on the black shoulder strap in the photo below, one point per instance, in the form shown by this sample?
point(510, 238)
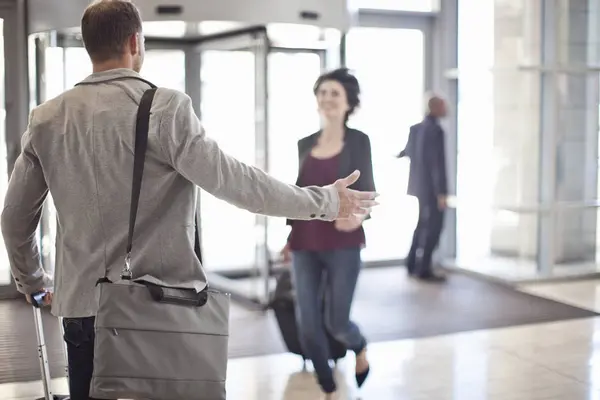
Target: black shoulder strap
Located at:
point(141, 144)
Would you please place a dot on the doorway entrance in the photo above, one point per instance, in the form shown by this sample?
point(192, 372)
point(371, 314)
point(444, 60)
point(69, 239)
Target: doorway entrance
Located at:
point(254, 96)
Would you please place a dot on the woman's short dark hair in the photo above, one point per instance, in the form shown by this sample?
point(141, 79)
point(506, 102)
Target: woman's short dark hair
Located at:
point(105, 27)
point(348, 81)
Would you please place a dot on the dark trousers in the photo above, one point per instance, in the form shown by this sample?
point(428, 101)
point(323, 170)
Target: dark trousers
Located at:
point(332, 275)
point(79, 336)
point(425, 238)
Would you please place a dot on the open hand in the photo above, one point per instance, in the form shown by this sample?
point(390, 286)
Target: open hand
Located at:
point(353, 202)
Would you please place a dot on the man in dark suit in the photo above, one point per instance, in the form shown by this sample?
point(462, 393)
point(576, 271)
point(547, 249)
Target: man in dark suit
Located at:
point(427, 182)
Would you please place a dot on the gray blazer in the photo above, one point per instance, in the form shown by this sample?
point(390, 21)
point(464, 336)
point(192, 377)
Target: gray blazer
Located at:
point(79, 148)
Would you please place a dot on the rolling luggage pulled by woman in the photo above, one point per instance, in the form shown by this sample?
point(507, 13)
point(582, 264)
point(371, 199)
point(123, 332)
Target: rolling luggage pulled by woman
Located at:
point(283, 305)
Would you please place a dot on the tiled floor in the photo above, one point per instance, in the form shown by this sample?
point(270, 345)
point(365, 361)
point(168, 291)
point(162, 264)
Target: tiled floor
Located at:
point(554, 361)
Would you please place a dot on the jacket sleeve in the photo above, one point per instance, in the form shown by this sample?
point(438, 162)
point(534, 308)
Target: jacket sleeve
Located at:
point(409, 148)
point(367, 180)
point(289, 221)
point(200, 160)
point(21, 214)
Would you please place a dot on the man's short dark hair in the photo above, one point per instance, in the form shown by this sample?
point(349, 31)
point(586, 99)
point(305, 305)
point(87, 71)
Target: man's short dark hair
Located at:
point(106, 26)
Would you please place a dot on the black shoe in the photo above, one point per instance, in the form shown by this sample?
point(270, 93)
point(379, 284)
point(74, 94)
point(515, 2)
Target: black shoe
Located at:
point(327, 386)
point(362, 377)
point(432, 277)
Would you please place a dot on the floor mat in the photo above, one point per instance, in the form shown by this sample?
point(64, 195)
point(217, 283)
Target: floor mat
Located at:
point(387, 307)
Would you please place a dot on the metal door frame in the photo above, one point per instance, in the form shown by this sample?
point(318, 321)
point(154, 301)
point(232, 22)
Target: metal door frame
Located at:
point(401, 20)
point(255, 40)
point(16, 90)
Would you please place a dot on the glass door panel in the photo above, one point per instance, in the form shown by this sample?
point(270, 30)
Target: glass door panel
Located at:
point(228, 115)
point(233, 110)
point(389, 64)
point(292, 116)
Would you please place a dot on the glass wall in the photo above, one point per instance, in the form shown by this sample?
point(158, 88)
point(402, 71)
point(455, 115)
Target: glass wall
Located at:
point(498, 135)
point(475, 139)
point(527, 181)
point(391, 76)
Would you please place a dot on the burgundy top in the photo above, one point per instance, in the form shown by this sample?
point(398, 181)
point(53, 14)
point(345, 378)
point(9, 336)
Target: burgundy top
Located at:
point(316, 235)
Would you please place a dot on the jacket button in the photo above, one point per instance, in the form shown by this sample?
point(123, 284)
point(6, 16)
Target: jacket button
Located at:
point(322, 215)
point(312, 215)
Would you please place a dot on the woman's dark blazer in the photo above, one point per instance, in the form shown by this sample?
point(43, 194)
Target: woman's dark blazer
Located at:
point(356, 154)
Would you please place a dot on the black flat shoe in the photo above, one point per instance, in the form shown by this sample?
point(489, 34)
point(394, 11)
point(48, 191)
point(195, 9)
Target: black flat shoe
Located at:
point(362, 377)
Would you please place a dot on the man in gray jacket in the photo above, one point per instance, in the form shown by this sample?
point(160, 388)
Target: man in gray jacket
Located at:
point(79, 148)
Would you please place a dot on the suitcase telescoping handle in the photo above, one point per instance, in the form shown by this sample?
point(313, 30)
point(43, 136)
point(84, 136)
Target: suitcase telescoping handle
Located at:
point(37, 300)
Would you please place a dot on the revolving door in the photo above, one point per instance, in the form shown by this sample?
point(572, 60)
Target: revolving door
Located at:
point(240, 86)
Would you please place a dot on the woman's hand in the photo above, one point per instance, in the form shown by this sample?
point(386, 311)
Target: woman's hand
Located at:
point(285, 254)
point(348, 225)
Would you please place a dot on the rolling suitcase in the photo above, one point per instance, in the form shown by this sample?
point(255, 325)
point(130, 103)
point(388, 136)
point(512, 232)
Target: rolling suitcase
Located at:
point(37, 302)
point(283, 304)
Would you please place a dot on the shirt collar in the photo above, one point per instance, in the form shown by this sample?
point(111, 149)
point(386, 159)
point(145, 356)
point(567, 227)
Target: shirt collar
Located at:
point(110, 74)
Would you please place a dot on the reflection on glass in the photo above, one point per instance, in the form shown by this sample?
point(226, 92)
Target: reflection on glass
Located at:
point(392, 84)
point(292, 116)
point(4, 265)
point(228, 112)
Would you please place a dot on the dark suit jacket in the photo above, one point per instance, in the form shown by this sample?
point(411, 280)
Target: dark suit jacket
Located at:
point(426, 150)
point(356, 154)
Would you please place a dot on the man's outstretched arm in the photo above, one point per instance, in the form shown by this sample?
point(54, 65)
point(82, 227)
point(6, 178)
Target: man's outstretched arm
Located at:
point(200, 160)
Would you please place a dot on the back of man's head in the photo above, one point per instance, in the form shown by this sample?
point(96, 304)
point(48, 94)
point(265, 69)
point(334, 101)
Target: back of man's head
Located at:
point(436, 106)
point(106, 26)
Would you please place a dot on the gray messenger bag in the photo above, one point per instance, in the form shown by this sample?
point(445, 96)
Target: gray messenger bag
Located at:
point(155, 341)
